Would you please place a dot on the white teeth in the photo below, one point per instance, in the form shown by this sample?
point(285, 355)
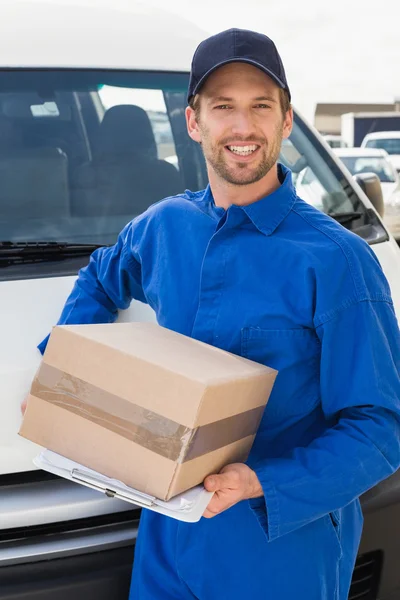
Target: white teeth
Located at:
point(242, 150)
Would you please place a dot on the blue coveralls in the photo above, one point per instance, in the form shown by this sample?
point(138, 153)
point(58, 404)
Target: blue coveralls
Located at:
point(283, 284)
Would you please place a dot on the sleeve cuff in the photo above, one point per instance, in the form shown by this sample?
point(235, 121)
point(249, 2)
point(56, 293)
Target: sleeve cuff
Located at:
point(266, 508)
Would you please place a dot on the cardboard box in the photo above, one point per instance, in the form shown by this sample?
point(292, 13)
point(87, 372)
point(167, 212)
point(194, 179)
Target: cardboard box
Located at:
point(152, 408)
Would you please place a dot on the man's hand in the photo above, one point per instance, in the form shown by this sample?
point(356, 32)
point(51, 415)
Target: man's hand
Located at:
point(23, 405)
point(234, 483)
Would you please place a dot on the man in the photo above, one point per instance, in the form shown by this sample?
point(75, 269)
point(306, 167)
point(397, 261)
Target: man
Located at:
point(247, 266)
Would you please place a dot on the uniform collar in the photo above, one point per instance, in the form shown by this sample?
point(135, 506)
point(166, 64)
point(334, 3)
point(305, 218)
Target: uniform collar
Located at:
point(269, 212)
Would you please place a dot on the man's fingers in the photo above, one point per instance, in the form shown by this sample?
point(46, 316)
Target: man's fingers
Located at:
point(210, 483)
point(213, 509)
point(219, 502)
point(214, 483)
point(216, 506)
point(23, 405)
point(208, 514)
point(229, 486)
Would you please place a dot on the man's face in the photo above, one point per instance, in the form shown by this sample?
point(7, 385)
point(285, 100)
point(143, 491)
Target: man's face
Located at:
point(239, 124)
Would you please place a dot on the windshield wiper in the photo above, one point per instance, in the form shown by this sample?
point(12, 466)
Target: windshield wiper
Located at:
point(12, 253)
point(344, 218)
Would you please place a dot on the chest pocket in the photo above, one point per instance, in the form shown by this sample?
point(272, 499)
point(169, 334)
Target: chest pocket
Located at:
point(295, 353)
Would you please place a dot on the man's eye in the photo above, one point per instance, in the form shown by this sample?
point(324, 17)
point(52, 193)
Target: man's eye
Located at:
point(262, 106)
point(222, 106)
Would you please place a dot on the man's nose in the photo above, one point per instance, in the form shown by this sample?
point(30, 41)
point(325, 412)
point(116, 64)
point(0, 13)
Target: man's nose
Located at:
point(242, 123)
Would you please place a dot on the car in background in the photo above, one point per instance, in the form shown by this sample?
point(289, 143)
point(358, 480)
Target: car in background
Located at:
point(335, 141)
point(371, 160)
point(386, 140)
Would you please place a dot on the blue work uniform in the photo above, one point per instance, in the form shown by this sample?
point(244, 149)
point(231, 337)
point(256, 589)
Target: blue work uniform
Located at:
point(280, 283)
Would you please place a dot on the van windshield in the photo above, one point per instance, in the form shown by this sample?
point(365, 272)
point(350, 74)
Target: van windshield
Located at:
point(82, 152)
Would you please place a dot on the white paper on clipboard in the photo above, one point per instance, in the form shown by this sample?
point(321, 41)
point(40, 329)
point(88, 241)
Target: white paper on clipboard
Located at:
point(188, 506)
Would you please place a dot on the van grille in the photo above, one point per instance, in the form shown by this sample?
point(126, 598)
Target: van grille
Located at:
point(366, 576)
point(25, 477)
point(130, 517)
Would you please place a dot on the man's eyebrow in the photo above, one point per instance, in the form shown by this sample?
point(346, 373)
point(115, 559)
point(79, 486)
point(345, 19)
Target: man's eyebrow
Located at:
point(220, 99)
point(265, 99)
point(228, 99)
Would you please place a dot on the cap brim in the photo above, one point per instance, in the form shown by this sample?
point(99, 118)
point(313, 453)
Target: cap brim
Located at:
point(277, 80)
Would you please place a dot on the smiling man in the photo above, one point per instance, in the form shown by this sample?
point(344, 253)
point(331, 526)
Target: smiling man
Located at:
point(249, 267)
point(230, 97)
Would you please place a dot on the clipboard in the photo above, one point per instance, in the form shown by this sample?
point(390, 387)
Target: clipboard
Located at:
point(188, 506)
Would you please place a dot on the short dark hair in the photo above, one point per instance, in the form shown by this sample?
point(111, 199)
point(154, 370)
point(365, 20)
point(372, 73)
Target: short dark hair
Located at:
point(284, 101)
point(194, 104)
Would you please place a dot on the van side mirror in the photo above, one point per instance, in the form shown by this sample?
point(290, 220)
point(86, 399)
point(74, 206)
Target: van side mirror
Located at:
point(371, 186)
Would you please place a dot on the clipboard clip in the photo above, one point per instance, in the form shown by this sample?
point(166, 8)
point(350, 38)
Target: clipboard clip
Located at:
point(97, 484)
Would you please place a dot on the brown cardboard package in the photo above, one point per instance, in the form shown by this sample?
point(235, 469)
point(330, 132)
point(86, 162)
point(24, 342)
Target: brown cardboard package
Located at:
point(152, 408)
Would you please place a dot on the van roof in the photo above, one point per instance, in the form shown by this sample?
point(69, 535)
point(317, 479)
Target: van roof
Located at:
point(123, 34)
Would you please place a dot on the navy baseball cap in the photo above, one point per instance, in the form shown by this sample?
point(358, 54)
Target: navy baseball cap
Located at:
point(236, 45)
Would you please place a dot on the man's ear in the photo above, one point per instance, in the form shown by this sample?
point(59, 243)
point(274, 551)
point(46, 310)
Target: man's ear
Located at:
point(288, 124)
point(192, 125)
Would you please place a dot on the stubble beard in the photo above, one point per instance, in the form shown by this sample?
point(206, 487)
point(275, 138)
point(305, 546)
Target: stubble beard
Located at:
point(242, 173)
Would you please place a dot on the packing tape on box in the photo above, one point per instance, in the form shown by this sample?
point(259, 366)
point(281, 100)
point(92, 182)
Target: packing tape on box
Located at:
point(138, 424)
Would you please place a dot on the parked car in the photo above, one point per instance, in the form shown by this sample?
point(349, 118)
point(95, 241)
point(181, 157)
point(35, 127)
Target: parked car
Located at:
point(386, 140)
point(364, 160)
point(335, 141)
point(81, 94)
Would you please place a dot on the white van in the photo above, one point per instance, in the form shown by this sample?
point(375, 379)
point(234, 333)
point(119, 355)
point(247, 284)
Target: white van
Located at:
point(92, 131)
point(386, 140)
